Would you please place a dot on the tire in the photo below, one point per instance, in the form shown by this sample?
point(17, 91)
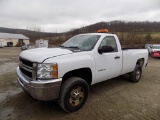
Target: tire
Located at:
point(74, 93)
point(135, 76)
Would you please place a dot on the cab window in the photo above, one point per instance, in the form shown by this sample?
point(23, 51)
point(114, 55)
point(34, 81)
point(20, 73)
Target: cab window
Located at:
point(109, 41)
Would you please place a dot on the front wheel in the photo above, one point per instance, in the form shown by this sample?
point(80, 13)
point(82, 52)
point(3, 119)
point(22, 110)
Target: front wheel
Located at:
point(136, 74)
point(73, 94)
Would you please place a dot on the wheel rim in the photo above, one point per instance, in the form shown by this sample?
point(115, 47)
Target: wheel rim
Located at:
point(76, 96)
point(138, 74)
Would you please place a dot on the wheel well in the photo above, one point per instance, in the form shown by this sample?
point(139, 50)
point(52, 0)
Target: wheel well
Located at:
point(84, 73)
point(140, 62)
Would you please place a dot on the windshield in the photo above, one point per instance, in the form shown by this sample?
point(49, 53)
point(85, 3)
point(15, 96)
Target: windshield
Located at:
point(156, 47)
point(82, 42)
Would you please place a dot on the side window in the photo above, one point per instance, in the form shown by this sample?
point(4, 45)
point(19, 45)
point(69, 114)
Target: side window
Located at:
point(109, 41)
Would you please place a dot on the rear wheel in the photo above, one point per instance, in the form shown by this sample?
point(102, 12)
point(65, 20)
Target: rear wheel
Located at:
point(136, 74)
point(73, 94)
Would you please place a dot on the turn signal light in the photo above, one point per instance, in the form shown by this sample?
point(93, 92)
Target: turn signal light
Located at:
point(54, 67)
point(54, 74)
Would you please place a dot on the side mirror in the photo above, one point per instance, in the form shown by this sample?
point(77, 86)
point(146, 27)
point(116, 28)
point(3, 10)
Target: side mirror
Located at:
point(105, 49)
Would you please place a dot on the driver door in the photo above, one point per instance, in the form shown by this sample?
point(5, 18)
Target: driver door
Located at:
point(108, 65)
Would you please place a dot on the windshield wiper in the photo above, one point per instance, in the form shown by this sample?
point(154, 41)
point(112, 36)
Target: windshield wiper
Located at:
point(76, 48)
point(69, 46)
point(72, 47)
point(61, 46)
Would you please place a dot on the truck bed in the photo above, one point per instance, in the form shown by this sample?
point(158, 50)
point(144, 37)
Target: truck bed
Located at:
point(131, 56)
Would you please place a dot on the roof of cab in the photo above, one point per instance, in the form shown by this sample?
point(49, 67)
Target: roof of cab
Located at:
point(101, 34)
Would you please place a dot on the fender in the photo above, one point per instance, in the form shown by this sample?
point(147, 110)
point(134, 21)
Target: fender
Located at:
point(74, 61)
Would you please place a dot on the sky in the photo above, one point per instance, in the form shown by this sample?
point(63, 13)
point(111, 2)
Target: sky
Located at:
point(64, 15)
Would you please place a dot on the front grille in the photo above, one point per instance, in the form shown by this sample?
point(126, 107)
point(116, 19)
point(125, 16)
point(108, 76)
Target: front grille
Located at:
point(27, 69)
point(26, 73)
point(26, 62)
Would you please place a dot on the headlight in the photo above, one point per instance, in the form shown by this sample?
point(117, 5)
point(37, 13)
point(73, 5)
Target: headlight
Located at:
point(47, 70)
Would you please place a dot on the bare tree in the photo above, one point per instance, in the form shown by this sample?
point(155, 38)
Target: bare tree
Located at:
point(34, 32)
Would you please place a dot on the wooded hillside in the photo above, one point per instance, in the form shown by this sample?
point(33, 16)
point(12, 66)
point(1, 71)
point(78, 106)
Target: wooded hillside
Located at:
point(129, 32)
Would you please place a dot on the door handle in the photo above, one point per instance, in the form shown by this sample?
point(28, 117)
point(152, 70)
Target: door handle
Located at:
point(117, 57)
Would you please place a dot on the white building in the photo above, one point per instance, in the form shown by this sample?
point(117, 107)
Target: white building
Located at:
point(13, 39)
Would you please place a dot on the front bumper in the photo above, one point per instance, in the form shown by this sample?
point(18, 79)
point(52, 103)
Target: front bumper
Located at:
point(45, 90)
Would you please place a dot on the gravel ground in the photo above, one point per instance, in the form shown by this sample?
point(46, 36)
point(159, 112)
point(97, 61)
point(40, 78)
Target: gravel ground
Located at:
point(115, 99)
point(8, 67)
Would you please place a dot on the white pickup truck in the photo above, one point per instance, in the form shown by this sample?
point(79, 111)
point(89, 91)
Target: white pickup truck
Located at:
point(65, 73)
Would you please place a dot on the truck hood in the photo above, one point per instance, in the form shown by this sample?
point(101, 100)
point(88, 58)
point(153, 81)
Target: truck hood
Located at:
point(40, 54)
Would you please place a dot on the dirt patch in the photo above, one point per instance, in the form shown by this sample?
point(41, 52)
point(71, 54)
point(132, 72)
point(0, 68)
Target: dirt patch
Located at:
point(9, 93)
point(8, 67)
point(4, 59)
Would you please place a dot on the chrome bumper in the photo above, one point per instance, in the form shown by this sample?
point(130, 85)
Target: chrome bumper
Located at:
point(45, 90)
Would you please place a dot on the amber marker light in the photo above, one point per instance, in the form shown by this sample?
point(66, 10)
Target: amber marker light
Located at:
point(54, 74)
point(103, 31)
point(54, 67)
